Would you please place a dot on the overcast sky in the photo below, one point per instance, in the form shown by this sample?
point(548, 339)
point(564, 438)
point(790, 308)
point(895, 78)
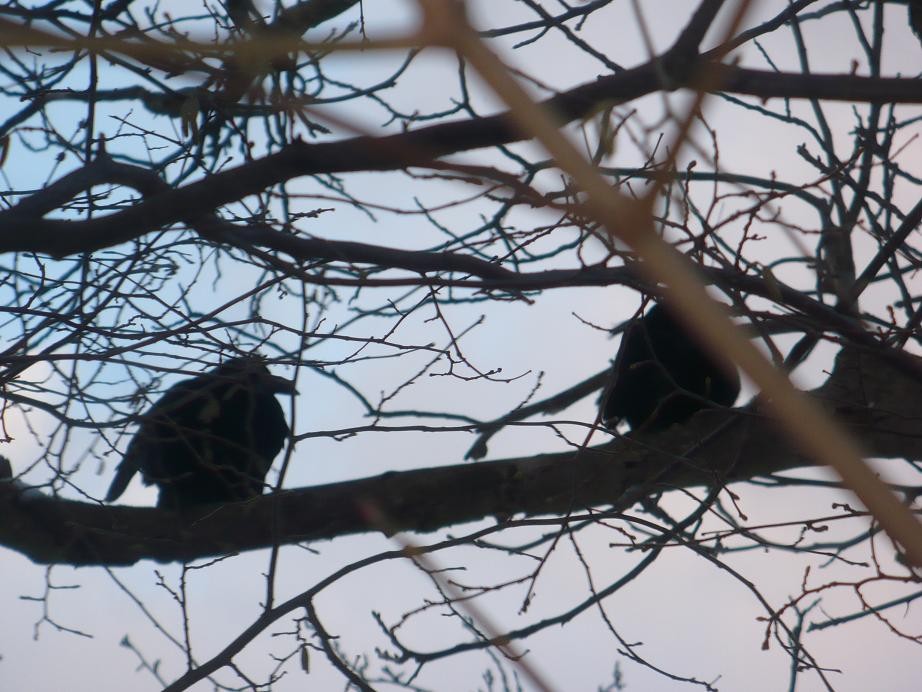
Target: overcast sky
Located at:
point(693, 619)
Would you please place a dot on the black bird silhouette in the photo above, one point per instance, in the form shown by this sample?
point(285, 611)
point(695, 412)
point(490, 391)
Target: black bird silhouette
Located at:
point(662, 376)
point(211, 438)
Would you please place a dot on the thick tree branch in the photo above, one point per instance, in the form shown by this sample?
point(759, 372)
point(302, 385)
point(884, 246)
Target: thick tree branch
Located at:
point(864, 393)
point(24, 232)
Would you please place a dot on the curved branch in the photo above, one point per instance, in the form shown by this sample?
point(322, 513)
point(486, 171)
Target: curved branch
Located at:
point(864, 393)
point(23, 232)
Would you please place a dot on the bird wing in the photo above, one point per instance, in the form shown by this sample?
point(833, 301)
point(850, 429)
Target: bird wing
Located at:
point(137, 456)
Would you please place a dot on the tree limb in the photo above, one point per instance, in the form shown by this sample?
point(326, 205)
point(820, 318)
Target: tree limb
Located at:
point(864, 393)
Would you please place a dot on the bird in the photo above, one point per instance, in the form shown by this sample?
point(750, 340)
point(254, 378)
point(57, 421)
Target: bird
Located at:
point(209, 439)
point(662, 376)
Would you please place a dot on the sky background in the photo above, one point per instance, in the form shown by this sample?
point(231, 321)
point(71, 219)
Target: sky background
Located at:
point(693, 619)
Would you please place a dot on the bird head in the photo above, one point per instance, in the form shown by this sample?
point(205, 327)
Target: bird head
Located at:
point(252, 369)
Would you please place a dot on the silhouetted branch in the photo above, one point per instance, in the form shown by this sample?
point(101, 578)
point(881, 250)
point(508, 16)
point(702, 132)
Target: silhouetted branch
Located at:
point(877, 405)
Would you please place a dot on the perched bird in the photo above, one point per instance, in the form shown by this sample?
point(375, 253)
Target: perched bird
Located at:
point(211, 438)
point(662, 376)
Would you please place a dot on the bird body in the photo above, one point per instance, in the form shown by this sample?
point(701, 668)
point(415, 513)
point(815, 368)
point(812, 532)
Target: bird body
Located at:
point(209, 439)
point(662, 376)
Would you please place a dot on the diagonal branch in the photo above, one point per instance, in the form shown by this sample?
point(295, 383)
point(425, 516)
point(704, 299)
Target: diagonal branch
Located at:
point(21, 231)
point(864, 394)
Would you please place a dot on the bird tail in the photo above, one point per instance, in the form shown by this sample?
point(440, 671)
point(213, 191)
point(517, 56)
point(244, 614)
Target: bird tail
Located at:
point(123, 475)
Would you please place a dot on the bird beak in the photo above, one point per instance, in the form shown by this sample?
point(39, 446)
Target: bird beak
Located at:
point(279, 385)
